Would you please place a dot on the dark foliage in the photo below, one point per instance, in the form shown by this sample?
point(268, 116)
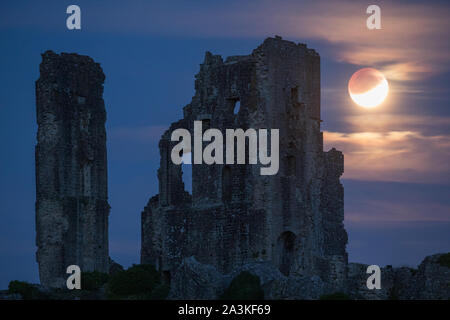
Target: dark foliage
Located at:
point(444, 260)
point(335, 296)
point(91, 281)
point(244, 287)
point(138, 282)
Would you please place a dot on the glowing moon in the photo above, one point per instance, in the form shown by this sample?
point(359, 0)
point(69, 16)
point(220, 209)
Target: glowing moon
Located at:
point(368, 87)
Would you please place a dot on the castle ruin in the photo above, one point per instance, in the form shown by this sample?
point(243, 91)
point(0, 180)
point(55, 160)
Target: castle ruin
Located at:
point(293, 219)
point(286, 228)
point(71, 170)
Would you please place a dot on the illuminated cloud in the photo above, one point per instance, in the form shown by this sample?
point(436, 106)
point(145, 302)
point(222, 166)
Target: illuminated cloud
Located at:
point(411, 44)
point(408, 47)
point(393, 156)
point(386, 122)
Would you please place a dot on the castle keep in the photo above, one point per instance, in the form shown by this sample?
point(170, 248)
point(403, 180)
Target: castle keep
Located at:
point(293, 219)
point(71, 170)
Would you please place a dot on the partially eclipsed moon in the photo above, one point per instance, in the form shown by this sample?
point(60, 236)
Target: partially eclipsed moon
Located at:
point(368, 87)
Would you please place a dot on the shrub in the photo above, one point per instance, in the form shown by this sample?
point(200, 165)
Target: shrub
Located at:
point(138, 282)
point(160, 293)
point(444, 260)
point(91, 281)
point(25, 289)
point(335, 296)
point(244, 287)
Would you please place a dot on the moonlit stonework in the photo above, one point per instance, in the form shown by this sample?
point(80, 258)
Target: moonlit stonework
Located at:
point(368, 87)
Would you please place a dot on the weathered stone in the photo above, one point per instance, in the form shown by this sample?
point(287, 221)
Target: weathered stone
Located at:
point(193, 280)
point(71, 169)
point(357, 283)
point(277, 286)
point(433, 279)
point(114, 267)
point(287, 229)
point(430, 281)
point(235, 216)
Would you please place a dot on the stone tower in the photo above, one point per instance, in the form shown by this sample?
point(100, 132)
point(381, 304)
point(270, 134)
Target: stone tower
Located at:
point(293, 219)
point(71, 170)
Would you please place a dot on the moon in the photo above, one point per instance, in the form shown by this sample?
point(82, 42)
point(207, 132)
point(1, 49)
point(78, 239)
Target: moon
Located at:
point(368, 87)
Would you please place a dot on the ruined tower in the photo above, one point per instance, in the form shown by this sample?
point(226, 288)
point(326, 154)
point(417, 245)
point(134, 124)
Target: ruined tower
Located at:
point(293, 219)
point(71, 170)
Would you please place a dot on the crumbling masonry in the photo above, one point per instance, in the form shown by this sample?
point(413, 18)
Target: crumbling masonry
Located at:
point(71, 172)
point(235, 219)
point(235, 215)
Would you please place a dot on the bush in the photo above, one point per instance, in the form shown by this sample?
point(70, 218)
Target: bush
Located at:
point(335, 296)
point(444, 260)
point(25, 289)
point(160, 292)
point(244, 287)
point(137, 282)
point(91, 281)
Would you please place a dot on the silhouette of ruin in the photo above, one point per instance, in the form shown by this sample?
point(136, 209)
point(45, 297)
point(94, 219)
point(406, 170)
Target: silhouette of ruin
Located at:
point(234, 216)
point(71, 170)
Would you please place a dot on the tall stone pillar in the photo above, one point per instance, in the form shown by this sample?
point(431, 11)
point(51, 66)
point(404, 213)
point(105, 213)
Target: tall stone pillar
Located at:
point(71, 168)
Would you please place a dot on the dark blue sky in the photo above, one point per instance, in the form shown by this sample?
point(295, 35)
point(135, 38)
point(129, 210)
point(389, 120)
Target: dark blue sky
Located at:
point(397, 174)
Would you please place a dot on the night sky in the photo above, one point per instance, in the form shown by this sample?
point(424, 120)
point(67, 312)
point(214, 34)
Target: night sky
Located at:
point(396, 180)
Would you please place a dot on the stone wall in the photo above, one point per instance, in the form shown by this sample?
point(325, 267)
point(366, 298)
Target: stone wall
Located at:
point(293, 219)
point(431, 280)
point(71, 169)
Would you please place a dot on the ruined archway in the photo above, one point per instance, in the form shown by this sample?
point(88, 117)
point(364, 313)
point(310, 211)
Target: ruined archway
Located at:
point(285, 251)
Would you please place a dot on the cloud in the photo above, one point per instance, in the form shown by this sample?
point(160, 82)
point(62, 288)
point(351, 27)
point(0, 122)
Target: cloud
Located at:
point(386, 122)
point(393, 155)
point(380, 211)
point(411, 44)
point(383, 203)
point(408, 47)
